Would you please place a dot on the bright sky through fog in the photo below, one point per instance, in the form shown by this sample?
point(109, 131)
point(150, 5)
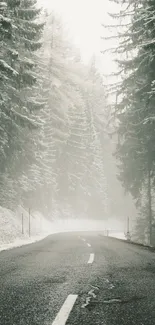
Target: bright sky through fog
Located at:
point(84, 19)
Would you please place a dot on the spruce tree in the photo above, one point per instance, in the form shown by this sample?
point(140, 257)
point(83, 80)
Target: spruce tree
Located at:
point(135, 103)
point(20, 38)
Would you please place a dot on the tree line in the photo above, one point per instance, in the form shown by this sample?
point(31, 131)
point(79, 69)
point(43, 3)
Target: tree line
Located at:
point(134, 109)
point(53, 111)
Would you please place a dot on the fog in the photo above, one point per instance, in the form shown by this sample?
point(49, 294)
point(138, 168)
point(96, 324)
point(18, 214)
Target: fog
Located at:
point(77, 162)
point(59, 139)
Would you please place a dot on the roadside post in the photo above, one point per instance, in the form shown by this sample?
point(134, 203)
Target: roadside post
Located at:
point(22, 224)
point(128, 236)
point(29, 223)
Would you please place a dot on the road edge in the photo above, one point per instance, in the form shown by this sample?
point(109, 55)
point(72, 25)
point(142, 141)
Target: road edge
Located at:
point(151, 248)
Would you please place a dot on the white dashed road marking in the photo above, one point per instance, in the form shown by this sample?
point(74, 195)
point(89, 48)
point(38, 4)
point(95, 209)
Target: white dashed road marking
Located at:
point(91, 258)
point(92, 255)
point(65, 310)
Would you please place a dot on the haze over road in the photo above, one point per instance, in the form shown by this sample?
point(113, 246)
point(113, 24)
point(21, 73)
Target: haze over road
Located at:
point(77, 278)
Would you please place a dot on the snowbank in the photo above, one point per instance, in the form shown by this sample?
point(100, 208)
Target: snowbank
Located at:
point(11, 227)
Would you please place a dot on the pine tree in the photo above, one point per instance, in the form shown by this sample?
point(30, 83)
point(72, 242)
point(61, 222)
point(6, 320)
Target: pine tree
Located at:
point(83, 171)
point(135, 106)
point(20, 38)
point(55, 157)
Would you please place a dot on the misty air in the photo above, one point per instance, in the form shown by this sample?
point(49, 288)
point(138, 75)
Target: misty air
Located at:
point(77, 162)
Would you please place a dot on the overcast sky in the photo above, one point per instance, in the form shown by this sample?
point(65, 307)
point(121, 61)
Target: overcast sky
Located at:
point(84, 19)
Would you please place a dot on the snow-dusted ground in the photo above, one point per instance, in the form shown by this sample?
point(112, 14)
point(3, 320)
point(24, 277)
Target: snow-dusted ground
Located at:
point(11, 227)
point(112, 226)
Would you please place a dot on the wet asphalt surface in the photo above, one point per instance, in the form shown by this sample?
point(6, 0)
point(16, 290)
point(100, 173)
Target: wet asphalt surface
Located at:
point(36, 279)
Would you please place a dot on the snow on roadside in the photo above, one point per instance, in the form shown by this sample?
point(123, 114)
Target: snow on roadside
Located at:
point(119, 235)
point(71, 225)
point(11, 227)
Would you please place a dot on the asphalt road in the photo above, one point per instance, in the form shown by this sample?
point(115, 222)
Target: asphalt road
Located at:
point(80, 278)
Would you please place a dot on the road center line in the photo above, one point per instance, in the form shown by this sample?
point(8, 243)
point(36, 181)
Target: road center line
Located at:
point(91, 258)
point(65, 310)
point(88, 245)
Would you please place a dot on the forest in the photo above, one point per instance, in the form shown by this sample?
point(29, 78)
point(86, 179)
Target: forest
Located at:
point(54, 114)
point(134, 28)
point(64, 148)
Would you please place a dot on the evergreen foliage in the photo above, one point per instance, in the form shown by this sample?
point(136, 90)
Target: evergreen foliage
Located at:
point(135, 104)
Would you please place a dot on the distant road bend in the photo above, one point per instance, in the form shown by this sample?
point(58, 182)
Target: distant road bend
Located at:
point(77, 279)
